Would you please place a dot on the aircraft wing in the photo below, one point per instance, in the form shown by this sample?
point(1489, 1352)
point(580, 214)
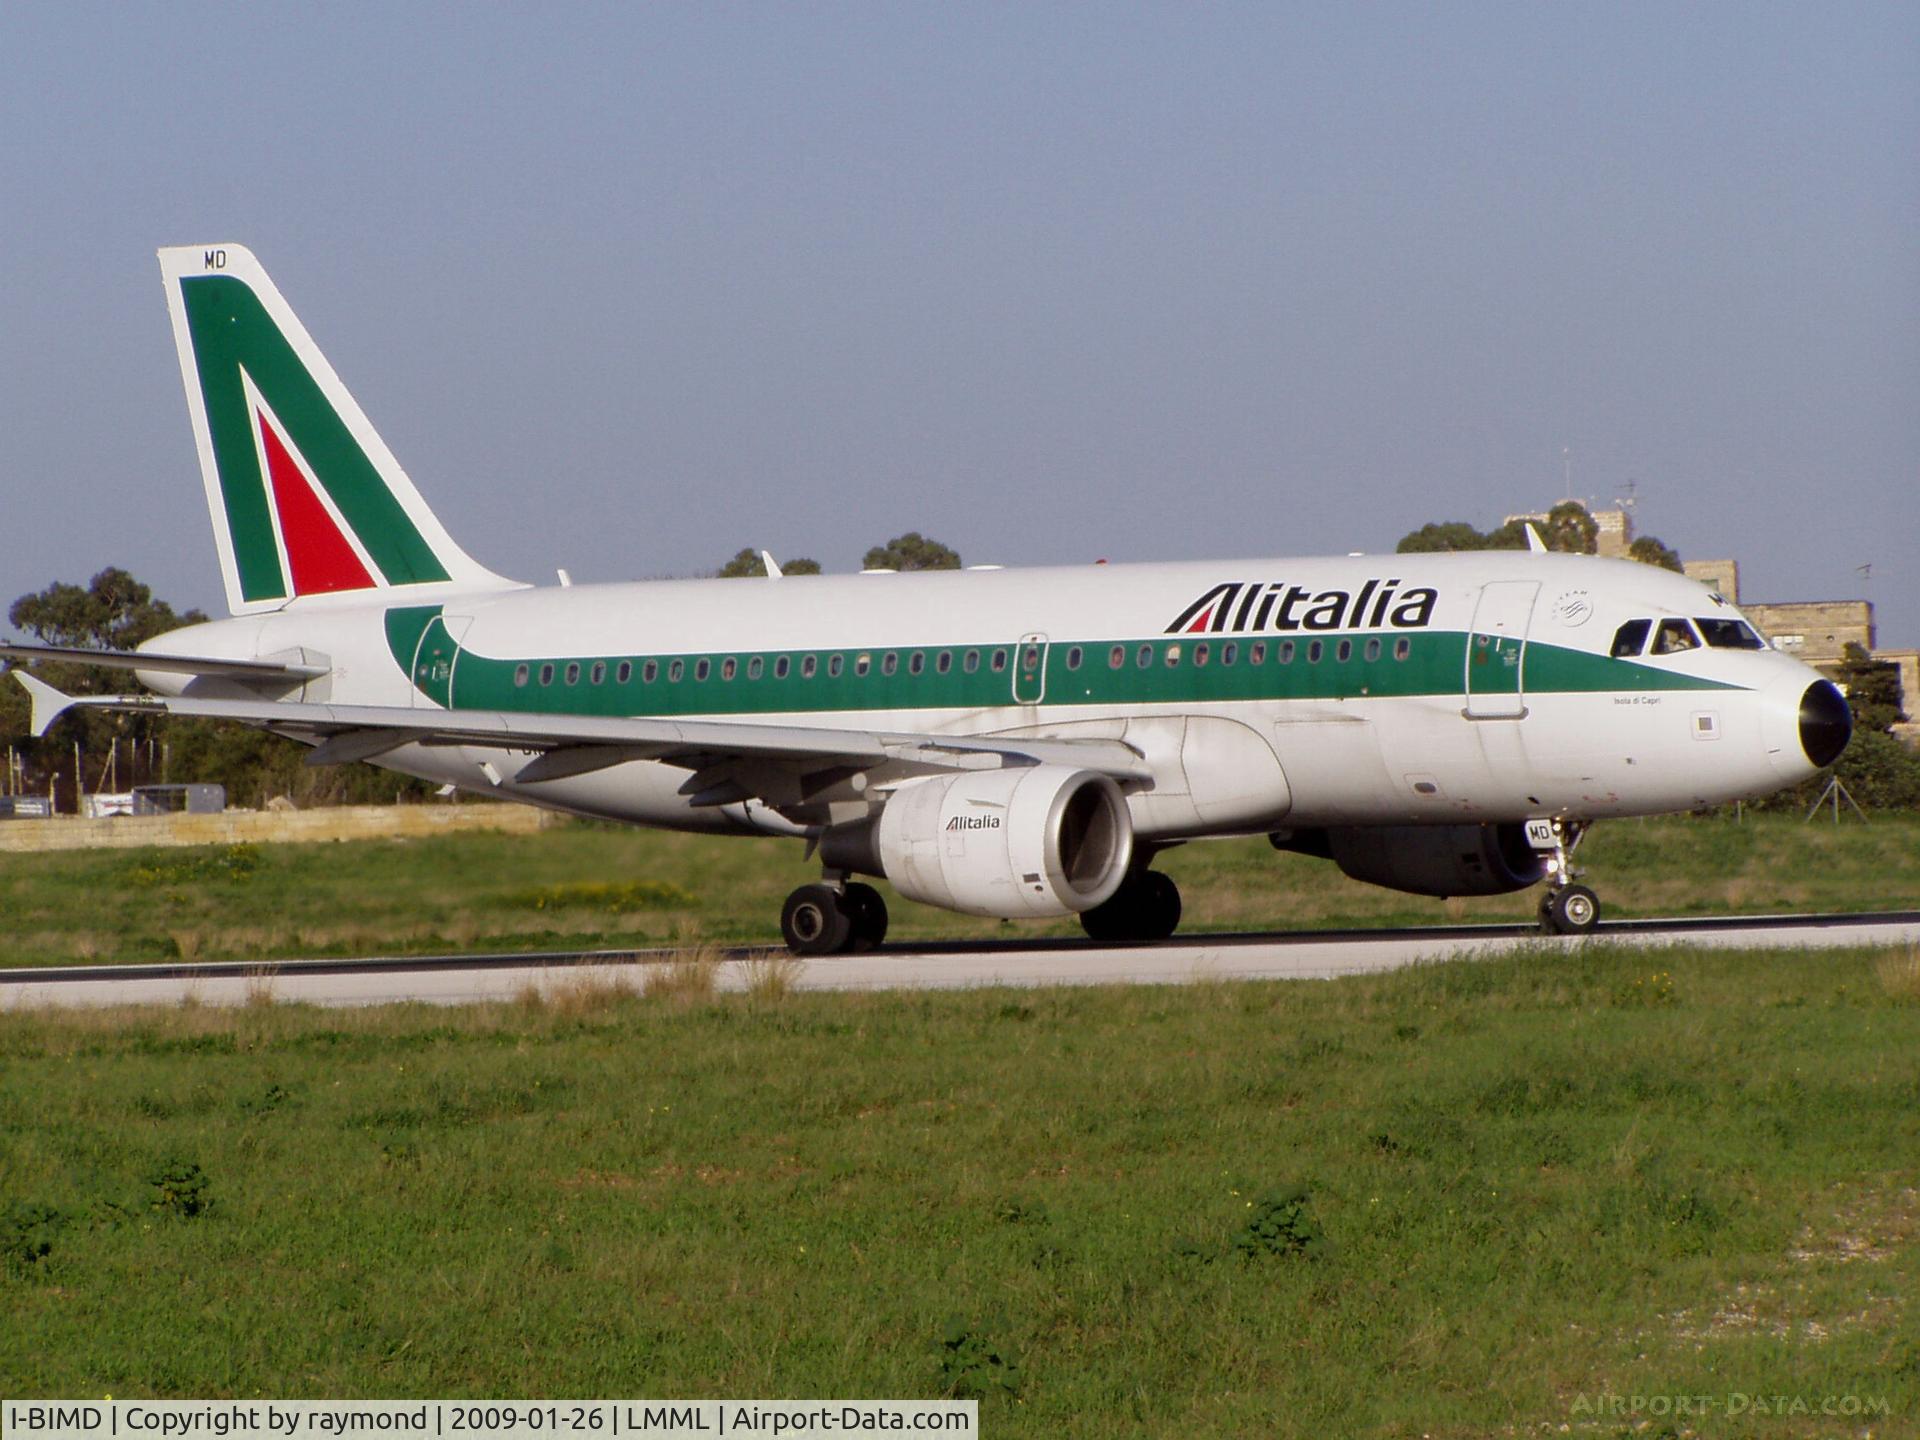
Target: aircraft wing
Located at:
point(784, 765)
point(255, 670)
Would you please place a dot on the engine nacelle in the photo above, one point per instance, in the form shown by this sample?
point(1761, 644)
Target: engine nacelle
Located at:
point(1439, 859)
point(1041, 840)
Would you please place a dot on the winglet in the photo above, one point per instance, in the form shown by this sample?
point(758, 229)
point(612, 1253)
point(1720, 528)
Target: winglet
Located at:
point(1534, 542)
point(49, 704)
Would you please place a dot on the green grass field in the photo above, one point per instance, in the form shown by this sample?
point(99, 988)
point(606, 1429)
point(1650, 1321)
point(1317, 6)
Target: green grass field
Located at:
point(594, 886)
point(1531, 1184)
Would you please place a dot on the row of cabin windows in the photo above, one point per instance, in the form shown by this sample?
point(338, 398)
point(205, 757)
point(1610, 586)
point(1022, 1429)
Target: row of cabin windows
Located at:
point(1229, 653)
point(1675, 635)
point(1171, 655)
point(756, 666)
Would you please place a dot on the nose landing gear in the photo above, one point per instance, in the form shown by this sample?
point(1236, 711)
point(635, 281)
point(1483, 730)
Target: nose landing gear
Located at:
point(1567, 908)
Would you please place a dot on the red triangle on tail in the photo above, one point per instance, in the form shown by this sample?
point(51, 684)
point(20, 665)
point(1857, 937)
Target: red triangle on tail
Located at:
point(317, 553)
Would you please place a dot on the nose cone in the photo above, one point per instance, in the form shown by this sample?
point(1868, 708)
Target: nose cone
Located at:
point(1826, 724)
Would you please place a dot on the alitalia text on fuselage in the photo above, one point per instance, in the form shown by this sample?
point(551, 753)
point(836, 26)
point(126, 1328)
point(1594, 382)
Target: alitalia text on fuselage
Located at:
point(1235, 606)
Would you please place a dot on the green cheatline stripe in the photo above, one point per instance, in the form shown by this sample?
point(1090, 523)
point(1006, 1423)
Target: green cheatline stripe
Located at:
point(231, 329)
point(1433, 666)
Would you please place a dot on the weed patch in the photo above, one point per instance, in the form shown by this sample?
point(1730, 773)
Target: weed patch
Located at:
point(973, 1366)
point(232, 863)
point(180, 1190)
point(607, 896)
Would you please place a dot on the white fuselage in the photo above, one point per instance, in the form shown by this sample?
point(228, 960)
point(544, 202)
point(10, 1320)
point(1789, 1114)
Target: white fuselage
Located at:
point(1493, 698)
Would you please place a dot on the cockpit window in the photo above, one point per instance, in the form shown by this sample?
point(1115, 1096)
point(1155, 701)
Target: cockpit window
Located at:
point(1730, 635)
point(1673, 637)
point(1631, 638)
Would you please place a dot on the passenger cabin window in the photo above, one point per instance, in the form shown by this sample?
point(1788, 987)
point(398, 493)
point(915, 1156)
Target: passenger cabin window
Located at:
point(729, 667)
point(650, 672)
point(862, 664)
point(1229, 652)
point(1314, 651)
point(1116, 657)
point(808, 666)
point(702, 669)
point(1201, 653)
point(1145, 657)
point(520, 673)
point(1402, 648)
point(889, 663)
point(999, 661)
point(546, 674)
point(1074, 656)
point(1730, 635)
point(943, 662)
point(1343, 652)
point(676, 670)
point(598, 675)
point(624, 673)
point(1285, 653)
point(755, 667)
point(835, 664)
point(780, 667)
point(573, 673)
point(1673, 637)
point(1631, 638)
point(1373, 649)
point(1256, 653)
point(916, 662)
point(972, 661)
point(1173, 656)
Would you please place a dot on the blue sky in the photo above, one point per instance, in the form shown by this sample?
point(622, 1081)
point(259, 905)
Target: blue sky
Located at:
point(628, 287)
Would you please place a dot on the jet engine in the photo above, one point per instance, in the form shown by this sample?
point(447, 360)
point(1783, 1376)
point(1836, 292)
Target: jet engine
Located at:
point(1439, 859)
point(1041, 840)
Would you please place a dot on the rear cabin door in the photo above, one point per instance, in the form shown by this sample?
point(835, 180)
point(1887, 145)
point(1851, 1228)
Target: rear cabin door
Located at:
point(1497, 650)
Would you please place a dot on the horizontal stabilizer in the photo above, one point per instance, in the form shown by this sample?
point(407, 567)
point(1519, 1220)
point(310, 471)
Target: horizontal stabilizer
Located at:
point(257, 670)
point(49, 704)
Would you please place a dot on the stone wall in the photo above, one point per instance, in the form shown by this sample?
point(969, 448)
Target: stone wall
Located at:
point(269, 827)
point(1816, 631)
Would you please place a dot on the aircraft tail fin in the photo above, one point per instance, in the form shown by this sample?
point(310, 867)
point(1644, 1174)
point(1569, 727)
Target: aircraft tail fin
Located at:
point(305, 497)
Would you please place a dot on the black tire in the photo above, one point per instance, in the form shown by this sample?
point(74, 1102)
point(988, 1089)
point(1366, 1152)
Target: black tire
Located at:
point(1112, 919)
point(1159, 906)
point(813, 923)
point(1574, 910)
point(1145, 907)
point(868, 914)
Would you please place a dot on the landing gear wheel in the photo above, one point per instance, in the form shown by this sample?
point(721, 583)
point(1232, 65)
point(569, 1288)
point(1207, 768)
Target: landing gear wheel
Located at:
point(813, 923)
point(1145, 907)
point(1572, 910)
point(868, 914)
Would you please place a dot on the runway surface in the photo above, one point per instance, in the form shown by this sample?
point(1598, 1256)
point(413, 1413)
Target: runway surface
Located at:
point(1318, 955)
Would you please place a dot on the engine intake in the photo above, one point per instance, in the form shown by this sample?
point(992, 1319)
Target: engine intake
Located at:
point(1439, 860)
point(1042, 840)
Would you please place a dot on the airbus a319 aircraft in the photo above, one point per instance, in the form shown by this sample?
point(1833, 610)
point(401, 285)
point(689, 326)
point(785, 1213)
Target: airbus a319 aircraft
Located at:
point(1015, 743)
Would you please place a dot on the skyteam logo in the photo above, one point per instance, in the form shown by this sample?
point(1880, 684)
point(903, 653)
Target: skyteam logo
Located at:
point(1237, 605)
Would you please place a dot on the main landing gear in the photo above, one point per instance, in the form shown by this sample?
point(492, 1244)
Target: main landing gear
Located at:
point(1145, 907)
point(1567, 908)
point(832, 918)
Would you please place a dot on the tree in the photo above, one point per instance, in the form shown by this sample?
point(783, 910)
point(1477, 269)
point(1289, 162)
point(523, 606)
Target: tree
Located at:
point(113, 612)
point(1649, 551)
point(748, 563)
point(1442, 537)
point(911, 551)
point(1570, 529)
point(1872, 688)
